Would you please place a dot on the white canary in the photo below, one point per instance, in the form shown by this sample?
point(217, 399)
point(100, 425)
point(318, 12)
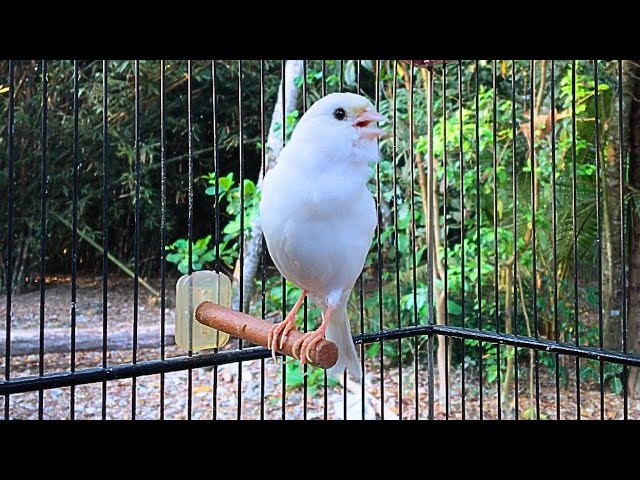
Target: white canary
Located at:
point(318, 217)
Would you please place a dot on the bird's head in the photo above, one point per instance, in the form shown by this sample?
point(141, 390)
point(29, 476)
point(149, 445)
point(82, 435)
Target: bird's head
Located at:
point(343, 120)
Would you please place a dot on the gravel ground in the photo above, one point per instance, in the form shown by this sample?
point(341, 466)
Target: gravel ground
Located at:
point(398, 400)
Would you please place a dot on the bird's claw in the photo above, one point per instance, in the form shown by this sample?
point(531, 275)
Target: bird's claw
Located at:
point(287, 329)
point(270, 345)
point(305, 343)
point(277, 335)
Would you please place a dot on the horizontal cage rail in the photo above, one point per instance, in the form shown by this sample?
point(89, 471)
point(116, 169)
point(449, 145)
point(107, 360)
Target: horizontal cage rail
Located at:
point(153, 367)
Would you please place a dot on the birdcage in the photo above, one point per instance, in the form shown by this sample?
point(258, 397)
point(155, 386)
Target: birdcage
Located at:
point(501, 281)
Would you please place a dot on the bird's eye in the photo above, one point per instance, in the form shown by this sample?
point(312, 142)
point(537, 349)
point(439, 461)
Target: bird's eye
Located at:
point(339, 114)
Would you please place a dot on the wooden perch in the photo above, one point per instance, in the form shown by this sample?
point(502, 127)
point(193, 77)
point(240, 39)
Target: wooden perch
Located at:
point(256, 330)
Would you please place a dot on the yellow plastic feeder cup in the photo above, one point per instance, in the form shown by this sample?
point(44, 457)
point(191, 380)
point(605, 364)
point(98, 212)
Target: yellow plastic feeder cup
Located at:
point(191, 291)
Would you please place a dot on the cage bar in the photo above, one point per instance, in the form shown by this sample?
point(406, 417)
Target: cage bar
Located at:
point(105, 231)
point(163, 227)
point(44, 193)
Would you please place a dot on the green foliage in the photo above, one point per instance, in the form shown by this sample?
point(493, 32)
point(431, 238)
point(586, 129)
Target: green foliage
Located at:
point(470, 225)
point(315, 377)
point(238, 198)
point(201, 254)
point(121, 153)
point(291, 121)
point(227, 251)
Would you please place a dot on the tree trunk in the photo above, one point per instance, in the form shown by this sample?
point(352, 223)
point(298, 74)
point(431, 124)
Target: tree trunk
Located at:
point(253, 235)
point(58, 340)
point(632, 85)
point(505, 401)
point(438, 267)
point(612, 225)
point(523, 304)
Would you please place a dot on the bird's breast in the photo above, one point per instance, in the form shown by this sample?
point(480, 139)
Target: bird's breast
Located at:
point(318, 230)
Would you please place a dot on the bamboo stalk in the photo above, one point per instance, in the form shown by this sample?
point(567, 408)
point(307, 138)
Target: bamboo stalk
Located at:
point(117, 262)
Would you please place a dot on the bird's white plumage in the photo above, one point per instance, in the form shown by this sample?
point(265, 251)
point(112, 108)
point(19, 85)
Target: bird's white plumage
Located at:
point(317, 215)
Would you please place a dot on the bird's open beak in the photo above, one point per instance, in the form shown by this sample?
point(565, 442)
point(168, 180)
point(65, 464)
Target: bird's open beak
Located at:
point(364, 121)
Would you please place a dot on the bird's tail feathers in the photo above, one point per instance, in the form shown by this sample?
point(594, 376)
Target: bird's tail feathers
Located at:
point(339, 332)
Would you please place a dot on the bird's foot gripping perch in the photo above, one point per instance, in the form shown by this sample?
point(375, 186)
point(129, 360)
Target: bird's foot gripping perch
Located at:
point(278, 333)
point(305, 343)
point(308, 340)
